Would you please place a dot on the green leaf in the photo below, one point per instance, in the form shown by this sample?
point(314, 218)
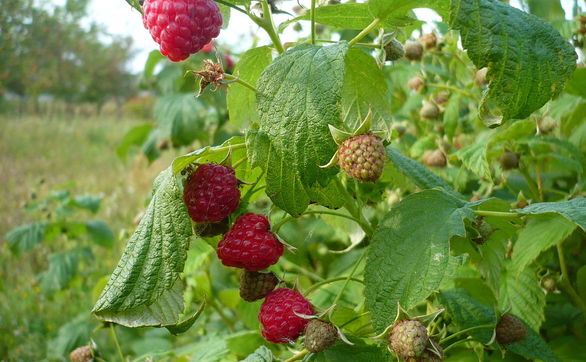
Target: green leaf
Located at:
point(262, 354)
point(409, 253)
point(184, 326)
point(73, 334)
point(551, 9)
point(451, 116)
point(528, 60)
point(144, 289)
point(25, 237)
point(540, 233)
point(297, 98)
point(154, 58)
point(181, 117)
point(245, 342)
point(419, 174)
point(523, 294)
point(575, 85)
point(135, 4)
point(581, 282)
point(62, 269)
point(136, 136)
point(383, 8)
point(364, 88)
point(88, 202)
point(358, 352)
point(350, 16)
point(467, 312)
point(241, 100)
point(573, 210)
point(100, 232)
point(474, 158)
point(533, 347)
point(180, 163)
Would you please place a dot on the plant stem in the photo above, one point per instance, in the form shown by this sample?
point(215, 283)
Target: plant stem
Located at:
point(455, 89)
point(455, 344)
point(364, 32)
point(348, 279)
point(115, 338)
point(231, 6)
point(368, 45)
point(312, 21)
point(235, 79)
point(298, 356)
point(466, 331)
point(239, 162)
point(565, 281)
point(329, 281)
point(285, 220)
point(303, 271)
point(266, 22)
point(227, 321)
point(497, 213)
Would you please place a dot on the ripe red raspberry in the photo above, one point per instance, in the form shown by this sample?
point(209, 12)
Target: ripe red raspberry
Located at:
point(182, 27)
point(211, 193)
point(362, 157)
point(277, 315)
point(250, 244)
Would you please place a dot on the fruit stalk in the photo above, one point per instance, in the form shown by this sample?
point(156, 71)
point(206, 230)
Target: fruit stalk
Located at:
point(364, 32)
point(266, 22)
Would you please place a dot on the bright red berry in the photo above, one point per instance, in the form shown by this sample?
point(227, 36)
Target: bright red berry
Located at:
point(277, 315)
point(182, 27)
point(211, 193)
point(249, 244)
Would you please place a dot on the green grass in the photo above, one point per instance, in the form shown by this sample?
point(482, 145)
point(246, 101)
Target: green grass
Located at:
point(37, 156)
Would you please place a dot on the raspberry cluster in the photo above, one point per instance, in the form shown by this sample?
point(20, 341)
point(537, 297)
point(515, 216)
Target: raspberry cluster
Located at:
point(182, 27)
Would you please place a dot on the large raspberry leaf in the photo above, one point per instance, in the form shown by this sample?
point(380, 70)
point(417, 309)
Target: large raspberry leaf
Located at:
point(572, 210)
point(409, 254)
point(144, 289)
point(528, 60)
point(467, 312)
point(298, 97)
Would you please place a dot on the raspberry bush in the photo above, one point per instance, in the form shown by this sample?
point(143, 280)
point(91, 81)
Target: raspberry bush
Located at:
point(462, 187)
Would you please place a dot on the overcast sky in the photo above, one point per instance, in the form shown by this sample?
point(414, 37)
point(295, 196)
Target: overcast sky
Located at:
point(119, 18)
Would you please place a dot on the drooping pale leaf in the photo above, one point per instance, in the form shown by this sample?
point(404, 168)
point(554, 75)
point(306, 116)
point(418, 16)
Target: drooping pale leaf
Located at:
point(474, 158)
point(523, 294)
point(180, 163)
point(136, 136)
point(364, 88)
point(100, 232)
point(409, 253)
point(262, 354)
point(144, 288)
point(573, 210)
point(451, 116)
point(62, 269)
point(26, 237)
point(467, 312)
point(533, 347)
point(350, 16)
point(540, 233)
point(181, 117)
point(241, 100)
point(184, 326)
point(298, 97)
point(529, 62)
point(419, 174)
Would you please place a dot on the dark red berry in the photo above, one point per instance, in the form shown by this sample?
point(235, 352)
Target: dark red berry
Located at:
point(256, 285)
point(510, 329)
point(211, 193)
point(249, 244)
point(277, 315)
point(182, 27)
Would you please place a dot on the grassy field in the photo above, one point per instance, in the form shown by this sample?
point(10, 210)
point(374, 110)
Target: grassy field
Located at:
point(37, 156)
